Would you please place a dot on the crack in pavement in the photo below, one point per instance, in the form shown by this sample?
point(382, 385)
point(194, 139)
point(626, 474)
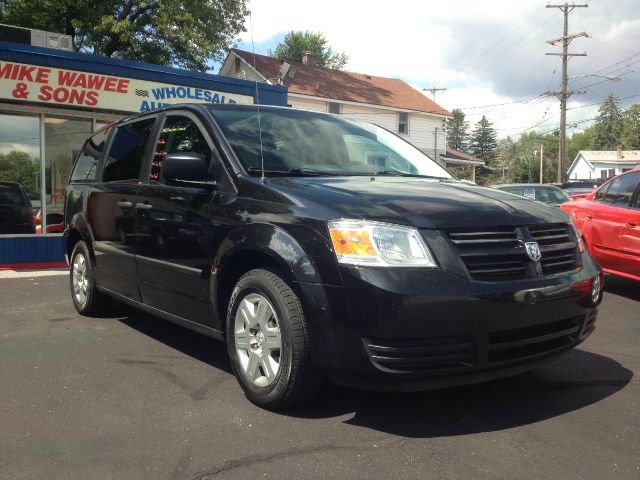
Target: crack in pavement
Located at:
point(228, 465)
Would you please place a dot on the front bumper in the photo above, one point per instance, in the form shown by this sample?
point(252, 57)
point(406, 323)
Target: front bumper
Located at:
point(418, 328)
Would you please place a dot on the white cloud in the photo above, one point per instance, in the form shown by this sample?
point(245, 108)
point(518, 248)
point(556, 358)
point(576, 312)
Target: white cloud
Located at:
point(484, 53)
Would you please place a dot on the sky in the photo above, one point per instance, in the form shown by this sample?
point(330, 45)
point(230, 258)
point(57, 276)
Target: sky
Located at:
point(485, 53)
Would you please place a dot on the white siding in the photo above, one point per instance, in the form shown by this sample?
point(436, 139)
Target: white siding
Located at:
point(308, 104)
point(581, 170)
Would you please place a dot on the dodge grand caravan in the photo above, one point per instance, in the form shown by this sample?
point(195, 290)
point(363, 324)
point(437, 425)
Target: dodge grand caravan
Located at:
point(322, 248)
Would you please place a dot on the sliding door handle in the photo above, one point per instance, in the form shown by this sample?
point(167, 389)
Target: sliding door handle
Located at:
point(144, 206)
point(125, 204)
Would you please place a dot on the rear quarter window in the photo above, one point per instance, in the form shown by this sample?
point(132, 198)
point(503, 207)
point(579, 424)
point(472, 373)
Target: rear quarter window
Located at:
point(86, 166)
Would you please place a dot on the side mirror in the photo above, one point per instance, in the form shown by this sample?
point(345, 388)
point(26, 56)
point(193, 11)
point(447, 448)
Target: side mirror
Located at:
point(188, 168)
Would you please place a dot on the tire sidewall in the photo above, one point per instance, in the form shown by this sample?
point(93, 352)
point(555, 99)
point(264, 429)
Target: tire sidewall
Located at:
point(253, 282)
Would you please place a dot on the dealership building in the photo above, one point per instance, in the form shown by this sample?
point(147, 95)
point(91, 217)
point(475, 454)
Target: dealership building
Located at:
point(51, 100)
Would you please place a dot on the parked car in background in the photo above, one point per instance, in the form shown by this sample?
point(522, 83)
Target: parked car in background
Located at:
point(549, 194)
point(55, 222)
point(273, 229)
point(579, 187)
point(16, 213)
point(609, 220)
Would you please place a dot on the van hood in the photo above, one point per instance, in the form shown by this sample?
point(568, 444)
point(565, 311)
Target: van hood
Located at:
point(423, 203)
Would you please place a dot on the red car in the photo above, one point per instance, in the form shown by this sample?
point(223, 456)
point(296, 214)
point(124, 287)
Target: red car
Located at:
point(609, 219)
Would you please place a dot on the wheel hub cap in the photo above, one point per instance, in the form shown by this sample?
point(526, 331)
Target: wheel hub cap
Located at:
point(80, 282)
point(257, 339)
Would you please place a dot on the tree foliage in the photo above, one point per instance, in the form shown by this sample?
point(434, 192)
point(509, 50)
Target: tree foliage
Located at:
point(484, 140)
point(19, 167)
point(630, 136)
point(608, 125)
point(457, 131)
point(181, 33)
point(295, 44)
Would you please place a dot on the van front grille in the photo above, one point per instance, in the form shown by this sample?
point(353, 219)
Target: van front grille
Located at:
point(499, 254)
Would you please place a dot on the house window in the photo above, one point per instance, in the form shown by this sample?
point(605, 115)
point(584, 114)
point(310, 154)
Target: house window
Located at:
point(377, 160)
point(612, 173)
point(403, 123)
point(335, 108)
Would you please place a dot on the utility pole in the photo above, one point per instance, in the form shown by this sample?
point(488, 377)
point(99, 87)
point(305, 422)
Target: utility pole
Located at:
point(563, 94)
point(541, 160)
point(433, 91)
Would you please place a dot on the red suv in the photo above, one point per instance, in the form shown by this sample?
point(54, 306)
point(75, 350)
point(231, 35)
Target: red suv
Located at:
point(609, 219)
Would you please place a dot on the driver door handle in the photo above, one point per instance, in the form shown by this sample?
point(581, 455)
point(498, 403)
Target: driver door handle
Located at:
point(144, 206)
point(632, 224)
point(125, 204)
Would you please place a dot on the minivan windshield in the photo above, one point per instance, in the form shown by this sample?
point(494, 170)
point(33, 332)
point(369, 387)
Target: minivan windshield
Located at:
point(298, 142)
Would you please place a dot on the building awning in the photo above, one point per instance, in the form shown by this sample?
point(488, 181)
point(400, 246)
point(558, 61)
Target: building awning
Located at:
point(455, 157)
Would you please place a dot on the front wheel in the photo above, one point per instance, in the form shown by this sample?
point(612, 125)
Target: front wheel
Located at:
point(268, 342)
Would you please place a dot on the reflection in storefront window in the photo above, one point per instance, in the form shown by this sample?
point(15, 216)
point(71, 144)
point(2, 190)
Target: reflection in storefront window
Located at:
point(19, 172)
point(63, 140)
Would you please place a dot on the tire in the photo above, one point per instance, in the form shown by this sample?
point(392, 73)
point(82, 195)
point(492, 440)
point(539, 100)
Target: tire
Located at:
point(268, 344)
point(84, 293)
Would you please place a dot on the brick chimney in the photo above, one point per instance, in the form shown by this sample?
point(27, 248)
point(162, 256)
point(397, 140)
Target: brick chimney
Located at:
point(619, 152)
point(307, 59)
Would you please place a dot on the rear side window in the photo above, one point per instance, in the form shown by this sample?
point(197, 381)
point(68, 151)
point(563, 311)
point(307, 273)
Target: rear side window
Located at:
point(126, 152)
point(621, 190)
point(86, 166)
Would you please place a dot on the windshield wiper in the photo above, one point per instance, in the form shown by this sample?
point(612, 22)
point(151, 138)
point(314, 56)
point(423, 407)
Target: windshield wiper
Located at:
point(400, 173)
point(291, 171)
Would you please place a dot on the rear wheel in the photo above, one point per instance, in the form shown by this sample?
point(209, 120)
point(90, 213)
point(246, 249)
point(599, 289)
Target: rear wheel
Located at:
point(268, 342)
point(84, 293)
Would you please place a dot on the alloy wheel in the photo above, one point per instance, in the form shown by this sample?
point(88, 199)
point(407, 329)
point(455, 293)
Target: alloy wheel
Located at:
point(257, 340)
point(79, 278)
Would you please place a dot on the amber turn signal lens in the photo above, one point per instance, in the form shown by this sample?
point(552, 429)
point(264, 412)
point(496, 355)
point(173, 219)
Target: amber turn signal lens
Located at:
point(352, 242)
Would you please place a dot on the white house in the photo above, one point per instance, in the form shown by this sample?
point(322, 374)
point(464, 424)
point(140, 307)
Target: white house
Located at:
point(388, 102)
point(597, 164)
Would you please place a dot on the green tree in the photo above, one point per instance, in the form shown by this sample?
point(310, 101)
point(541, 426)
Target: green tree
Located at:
point(295, 44)
point(484, 144)
point(585, 140)
point(457, 131)
point(19, 167)
point(168, 32)
point(608, 125)
point(630, 136)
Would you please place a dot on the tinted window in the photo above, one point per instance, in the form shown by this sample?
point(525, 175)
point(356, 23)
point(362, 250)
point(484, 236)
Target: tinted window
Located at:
point(621, 190)
point(127, 151)
point(86, 165)
point(178, 134)
point(11, 195)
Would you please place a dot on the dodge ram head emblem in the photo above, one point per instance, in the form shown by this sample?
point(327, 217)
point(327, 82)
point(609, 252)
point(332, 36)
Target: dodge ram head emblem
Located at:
point(533, 250)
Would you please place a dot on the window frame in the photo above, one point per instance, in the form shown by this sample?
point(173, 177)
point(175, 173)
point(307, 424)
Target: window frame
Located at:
point(400, 122)
point(337, 104)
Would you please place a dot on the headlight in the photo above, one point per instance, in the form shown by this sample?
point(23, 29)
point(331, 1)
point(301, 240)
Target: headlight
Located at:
point(358, 242)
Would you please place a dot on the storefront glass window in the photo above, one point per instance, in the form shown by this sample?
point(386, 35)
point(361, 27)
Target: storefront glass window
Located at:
point(63, 140)
point(19, 172)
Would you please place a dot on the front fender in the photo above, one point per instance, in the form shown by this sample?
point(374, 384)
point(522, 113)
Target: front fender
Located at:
point(301, 251)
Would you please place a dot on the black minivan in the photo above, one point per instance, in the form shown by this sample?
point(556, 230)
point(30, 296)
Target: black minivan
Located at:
point(320, 247)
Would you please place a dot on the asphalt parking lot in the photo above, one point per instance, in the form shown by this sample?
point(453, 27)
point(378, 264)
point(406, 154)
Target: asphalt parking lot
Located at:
point(134, 397)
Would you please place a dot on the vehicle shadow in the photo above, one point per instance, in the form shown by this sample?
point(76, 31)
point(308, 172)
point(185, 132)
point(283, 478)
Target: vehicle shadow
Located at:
point(570, 383)
point(575, 381)
point(623, 287)
point(190, 343)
